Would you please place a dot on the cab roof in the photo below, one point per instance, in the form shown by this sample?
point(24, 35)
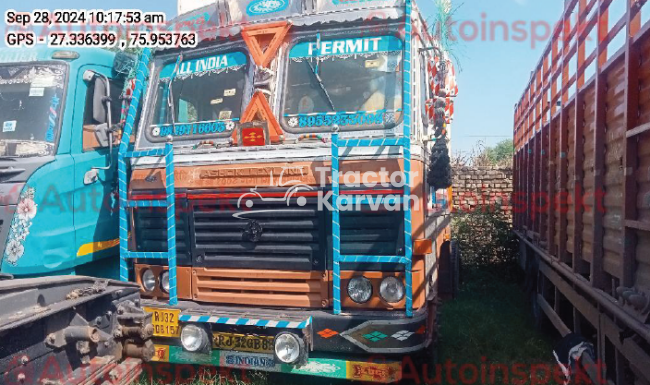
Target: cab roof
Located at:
point(18, 55)
point(222, 18)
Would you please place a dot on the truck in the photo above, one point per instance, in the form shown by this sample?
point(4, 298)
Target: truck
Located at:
point(59, 110)
point(582, 133)
point(58, 172)
point(279, 206)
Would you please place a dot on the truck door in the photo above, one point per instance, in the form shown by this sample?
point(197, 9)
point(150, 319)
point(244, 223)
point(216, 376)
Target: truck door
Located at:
point(95, 196)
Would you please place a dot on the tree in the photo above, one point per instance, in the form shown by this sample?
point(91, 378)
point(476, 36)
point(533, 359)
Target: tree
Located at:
point(501, 154)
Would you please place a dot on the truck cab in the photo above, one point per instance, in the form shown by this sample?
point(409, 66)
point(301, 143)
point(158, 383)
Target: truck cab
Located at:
point(57, 171)
point(276, 205)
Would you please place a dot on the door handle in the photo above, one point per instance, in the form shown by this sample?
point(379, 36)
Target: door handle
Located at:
point(91, 176)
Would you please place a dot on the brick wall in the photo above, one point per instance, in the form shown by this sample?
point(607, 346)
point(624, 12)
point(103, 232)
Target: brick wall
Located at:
point(477, 187)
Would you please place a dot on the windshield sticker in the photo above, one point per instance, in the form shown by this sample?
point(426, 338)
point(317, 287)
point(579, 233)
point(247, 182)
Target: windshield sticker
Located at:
point(37, 76)
point(206, 65)
point(193, 129)
point(264, 7)
point(52, 119)
point(216, 101)
point(346, 47)
point(9, 126)
point(224, 115)
point(230, 92)
point(342, 119)
point(44, 81)
point(36, 91)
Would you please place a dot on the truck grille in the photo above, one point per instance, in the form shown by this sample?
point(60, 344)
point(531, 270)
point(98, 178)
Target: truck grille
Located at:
point(269, 235)
point(151, 232)
point(260, 287)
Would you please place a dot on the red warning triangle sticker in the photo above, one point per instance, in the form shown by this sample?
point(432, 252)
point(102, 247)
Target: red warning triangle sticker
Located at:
point(258, 109)
point(263, 40)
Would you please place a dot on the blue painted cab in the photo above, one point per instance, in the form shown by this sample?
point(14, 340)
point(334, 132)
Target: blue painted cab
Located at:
point(58, 211)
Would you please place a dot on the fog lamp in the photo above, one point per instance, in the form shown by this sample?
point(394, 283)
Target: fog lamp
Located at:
point(288, 348)
point(148, 280)
point(391, 290)
point(194, 338)
point(360, 289)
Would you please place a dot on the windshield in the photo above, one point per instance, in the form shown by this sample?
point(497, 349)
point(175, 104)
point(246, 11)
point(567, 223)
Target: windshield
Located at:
point(354, 83)
point(30, 107)
point(207, 98)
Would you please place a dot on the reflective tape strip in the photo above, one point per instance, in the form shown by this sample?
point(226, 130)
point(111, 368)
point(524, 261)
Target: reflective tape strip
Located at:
point(278, 324)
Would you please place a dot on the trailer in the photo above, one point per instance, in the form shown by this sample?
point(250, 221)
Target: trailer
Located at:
point(582, 183)
point(72, 330)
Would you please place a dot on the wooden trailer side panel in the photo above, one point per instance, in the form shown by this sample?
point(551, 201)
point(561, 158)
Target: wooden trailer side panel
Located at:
point(614, 153)
point(582, 139)
point(569, 167)
point(588, 188)
point(642, 174)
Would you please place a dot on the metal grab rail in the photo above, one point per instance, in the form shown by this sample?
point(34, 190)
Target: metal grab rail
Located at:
point(405, 143)
point(123, 155)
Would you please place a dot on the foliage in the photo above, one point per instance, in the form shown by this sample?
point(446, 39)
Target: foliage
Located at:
point(486, 242)
point(501, 154)
point(483, 156)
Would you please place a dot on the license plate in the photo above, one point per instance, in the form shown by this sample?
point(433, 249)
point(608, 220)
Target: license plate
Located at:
point(165, 322)
point(242, 342)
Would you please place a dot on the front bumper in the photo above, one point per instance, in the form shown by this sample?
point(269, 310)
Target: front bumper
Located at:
point(384, 371)
point(358, 334)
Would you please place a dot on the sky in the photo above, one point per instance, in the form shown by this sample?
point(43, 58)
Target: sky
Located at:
point(492, 72)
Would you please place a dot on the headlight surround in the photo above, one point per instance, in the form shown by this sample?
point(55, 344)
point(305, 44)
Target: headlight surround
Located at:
point(164, 281)
point(193, 338)
point(287, 348)
point(148, 280)
point(360, 289)
point(392, 290)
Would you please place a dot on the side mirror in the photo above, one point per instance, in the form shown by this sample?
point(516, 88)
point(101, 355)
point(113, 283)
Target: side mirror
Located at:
point(103, 135)
point(100, 112)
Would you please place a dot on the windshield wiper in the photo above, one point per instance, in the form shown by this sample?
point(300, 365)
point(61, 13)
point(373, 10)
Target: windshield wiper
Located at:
point(322, 86)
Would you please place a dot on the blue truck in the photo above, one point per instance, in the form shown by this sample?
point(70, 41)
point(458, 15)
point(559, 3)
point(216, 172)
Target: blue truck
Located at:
point(59, 110)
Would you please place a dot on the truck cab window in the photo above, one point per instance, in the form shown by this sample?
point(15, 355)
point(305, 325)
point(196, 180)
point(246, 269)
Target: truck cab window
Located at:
point(207, 95)
point(90, 141)
point(31, 104)
point(354, 83)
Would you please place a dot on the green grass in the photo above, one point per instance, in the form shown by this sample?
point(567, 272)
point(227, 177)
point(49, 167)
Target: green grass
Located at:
point(489, 323)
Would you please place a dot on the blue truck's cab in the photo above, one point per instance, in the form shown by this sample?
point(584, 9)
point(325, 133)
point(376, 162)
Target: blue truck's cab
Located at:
point(58, 211)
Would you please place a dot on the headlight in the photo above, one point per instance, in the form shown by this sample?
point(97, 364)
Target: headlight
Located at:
point(148, 280)
point(391, 289)
point(193, 338)
point(164, 281)
point(287, 348)
point(360, 289)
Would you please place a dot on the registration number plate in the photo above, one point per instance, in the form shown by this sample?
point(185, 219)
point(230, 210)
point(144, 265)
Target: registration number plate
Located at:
point(165, 322)
point(242, 342)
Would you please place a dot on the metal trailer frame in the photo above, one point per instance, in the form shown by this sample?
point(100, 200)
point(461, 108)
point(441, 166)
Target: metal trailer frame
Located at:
point(589, 257)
